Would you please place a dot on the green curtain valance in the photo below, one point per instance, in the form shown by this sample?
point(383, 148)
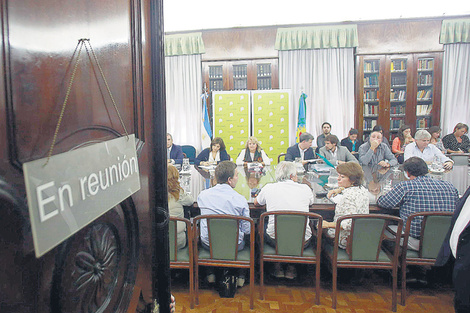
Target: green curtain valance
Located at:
point(455, 31)
point(317, 37)
point(184, 44)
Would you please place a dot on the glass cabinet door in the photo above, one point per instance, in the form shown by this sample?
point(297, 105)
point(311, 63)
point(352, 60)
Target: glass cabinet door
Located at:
point(424, 96)
point(371, 94)
point(398, 79)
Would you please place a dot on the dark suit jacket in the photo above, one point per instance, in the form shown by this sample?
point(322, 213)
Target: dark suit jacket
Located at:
point(294, 152)
point(176, 153)
point(346, 143)
point(204, 156)
point(461, 271)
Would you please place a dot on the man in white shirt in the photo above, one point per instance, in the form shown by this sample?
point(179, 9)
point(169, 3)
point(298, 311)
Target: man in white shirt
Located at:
point(421, 148)
point(285, 195)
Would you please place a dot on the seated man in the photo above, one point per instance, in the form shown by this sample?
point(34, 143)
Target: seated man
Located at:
point(174, 152)
point(334, 153)
point(326, 129)
point(419, 194)
point(375, 152)
point(284, 195)
point(222, 199)
point(302, 149)
point(428, 152)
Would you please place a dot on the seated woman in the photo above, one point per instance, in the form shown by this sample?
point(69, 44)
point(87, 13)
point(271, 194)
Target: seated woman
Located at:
point(435, 132)
point(252, 153)
point(457, 142)
point(352, 142)
point(350, 198)
point(375, 152)
point(401, 140)
point(214, 154)
point(176, 199)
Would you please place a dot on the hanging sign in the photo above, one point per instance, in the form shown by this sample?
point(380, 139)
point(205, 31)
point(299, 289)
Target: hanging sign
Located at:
point(77, 187)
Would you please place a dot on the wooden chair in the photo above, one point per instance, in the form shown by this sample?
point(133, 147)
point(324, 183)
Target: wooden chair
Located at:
point(223, 233)
point(434, 227)
point(364, 248)
point(290, 240)
point(182, 258)
point(280, 156)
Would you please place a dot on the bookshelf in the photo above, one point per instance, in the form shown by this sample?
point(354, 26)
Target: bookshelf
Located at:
point(395, 90)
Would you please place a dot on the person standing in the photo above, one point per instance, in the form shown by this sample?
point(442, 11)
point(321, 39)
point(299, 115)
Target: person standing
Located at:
point(456, 246)
point(326, 129)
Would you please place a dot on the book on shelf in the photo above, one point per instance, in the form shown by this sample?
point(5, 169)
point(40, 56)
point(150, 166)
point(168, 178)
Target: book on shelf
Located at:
point(396, 122)
point(371, 80)
point(371, 95)
point(425, 79)
point(423, 109)
point(371, 66)
point(399, 95)
point(424, 94)
point(425, 64)
point(423, 122)
point(398, 109)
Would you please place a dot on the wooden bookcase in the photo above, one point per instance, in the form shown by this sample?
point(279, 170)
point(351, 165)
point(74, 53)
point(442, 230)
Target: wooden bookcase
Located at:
point(392, 90)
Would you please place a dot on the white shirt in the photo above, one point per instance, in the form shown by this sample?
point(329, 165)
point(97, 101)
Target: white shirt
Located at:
point(459, 226)
point(285, 196)
point(241, 156)
point(211, 158)
point(302, 152)
point(427, 155)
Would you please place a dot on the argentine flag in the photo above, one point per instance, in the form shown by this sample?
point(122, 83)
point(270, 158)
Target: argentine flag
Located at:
point(301, 119)
point(206, 131)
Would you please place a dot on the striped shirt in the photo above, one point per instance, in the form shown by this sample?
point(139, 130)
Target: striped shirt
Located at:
point(422, 194)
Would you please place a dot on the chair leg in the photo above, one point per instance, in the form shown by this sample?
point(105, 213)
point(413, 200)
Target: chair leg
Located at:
point(191, 286)
point(196, 284)
point(394, 288)
point(252, 285)
point(335, 281)
point(317, 282)
point(403, 283)
point(261, 279)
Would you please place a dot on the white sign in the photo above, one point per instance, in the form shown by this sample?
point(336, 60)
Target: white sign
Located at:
point(77, 187)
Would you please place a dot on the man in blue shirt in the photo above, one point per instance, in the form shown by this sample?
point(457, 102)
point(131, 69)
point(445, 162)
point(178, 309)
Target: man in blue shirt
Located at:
point(419, 194)
point(222, 199)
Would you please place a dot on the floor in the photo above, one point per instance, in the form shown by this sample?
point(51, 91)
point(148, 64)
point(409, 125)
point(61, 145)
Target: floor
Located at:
point(358, 291)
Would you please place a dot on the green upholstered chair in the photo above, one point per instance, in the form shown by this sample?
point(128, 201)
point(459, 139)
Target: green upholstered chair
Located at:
point(223, 233)
point(189, 152)
point(289, 227)
point(364, 248)
point(182, 258)
point(434, 227)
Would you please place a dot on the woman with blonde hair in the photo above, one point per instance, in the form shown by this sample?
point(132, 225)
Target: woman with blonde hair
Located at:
point(350, 198)
point(176, 199)
point(252, 153)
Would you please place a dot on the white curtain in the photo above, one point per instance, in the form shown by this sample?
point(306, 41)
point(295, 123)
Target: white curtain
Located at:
point(327, 77)
point(183, 80)
point(455, 105)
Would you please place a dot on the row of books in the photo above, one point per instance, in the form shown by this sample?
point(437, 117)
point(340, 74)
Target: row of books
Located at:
point(215, 72)
point(425, 64)
point(398, 95)
point(424, 122)
point(397, 109)
point(423, 109)
point(396, 122)
point(264, 70)
point(371, 109)
point(424, 94)
point(371, 94)
point(369, 124)
point(371, 66)
point(425, 79)
point(372, 80)
point(399, 80)
point(398, 65)
point(264, 83)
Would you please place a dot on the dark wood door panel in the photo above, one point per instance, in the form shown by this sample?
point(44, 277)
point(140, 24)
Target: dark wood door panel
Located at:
point(41, 55)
